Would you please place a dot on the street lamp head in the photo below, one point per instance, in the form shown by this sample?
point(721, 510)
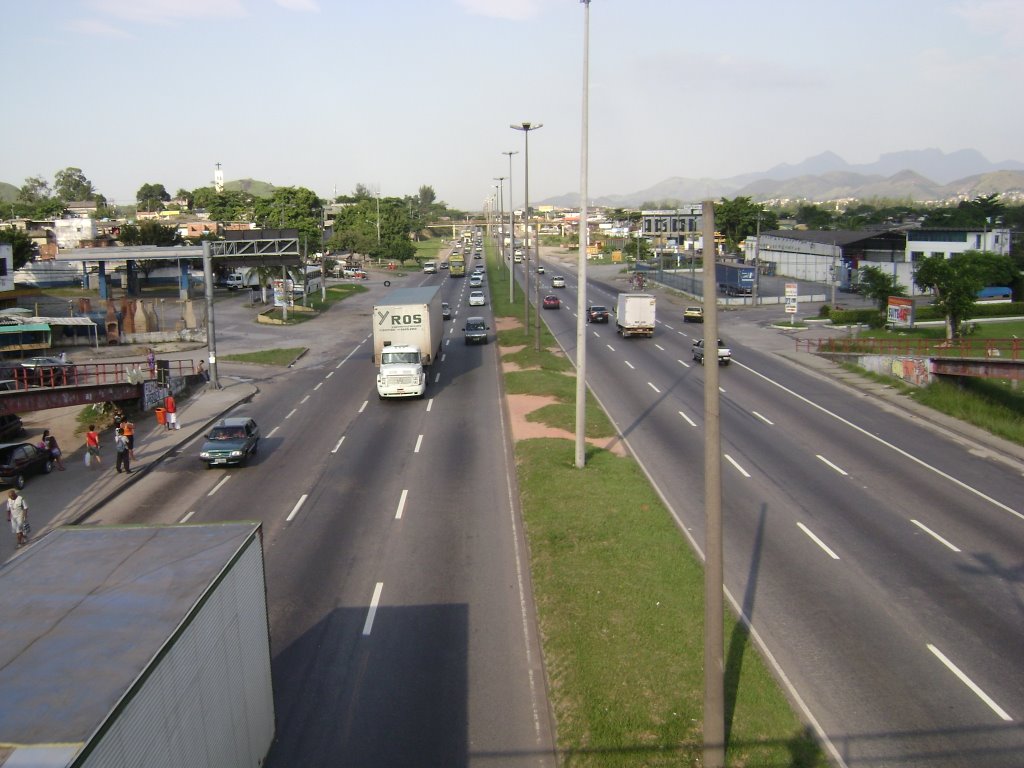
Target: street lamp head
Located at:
point(527, 126)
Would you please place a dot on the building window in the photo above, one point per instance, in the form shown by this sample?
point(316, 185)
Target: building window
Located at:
point(916, 255)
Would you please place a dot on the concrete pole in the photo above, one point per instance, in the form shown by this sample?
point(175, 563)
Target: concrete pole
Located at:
point(581, 261)
point(511, 232)
point(211, 335)
point(714, 631)
point(526, 127)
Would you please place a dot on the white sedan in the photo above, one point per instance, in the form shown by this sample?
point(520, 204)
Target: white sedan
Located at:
point(477, 299)
point(558, 282)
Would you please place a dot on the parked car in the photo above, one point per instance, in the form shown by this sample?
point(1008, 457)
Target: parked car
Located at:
point(475, 331)
point(552, 302)
point(231, 441)
point(11, 427)
point(477, 299)
point(558, 281)
point(446, 310)
point(693, 315)
point(597, 314)
point(19, 460)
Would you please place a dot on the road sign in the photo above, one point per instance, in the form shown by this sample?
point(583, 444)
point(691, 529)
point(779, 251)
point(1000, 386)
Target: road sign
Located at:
point(791, 289)
point(791, 305)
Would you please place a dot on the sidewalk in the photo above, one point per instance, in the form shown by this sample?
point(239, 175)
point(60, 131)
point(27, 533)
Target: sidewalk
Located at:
point(69, 497)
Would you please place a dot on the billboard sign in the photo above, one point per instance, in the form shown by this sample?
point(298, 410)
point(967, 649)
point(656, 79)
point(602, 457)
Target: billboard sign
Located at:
point(900, 312)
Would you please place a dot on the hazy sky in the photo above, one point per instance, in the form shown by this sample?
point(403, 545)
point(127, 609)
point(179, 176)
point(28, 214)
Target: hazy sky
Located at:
point(395, 94)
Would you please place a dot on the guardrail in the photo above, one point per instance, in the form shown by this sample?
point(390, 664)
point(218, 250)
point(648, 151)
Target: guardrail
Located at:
point(92, 374)
point(1007, 349)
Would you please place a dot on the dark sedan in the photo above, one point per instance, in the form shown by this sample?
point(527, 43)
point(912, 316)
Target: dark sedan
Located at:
point(19, 460)
point(48, 371)
point(597, 314)
point(231, 441)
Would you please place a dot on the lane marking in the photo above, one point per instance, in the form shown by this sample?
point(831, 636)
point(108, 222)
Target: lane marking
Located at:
point(271, 432)
point(318, 385)
point(419, 442)
point(443, 356)
point(336, 447)
point(363, 406)
point(653, 387)
point(920, 462)
point(345, 359)
point(934, 535)
point(689, 421)
point(668, 326)
point(610, 347)
point(304, 399)
point(374, 602)
point(438, 377)
point(683, 363)
point(969, 683)
point(817, 541)
point(837, 469)
point(658, 346)
point(329, 374)
point(762, 418)
point(629, 364)
point(290, 413)
point(401, 504)
point(187, 517)
point(739, 469)
point(217, 487)
point(430, 404)
point(597, 335)
point(295, 509)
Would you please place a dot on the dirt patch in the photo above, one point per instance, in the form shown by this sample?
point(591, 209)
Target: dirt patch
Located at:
point(505, 323)
point(520, 405)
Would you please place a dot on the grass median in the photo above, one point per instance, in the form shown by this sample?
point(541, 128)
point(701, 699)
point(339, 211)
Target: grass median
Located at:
point(619, 596)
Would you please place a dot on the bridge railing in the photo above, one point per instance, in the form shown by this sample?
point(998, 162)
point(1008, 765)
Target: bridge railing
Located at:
point(82, 374)
point(1011, 349)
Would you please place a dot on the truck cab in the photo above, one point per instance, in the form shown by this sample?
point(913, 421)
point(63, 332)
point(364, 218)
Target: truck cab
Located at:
point(401, 373)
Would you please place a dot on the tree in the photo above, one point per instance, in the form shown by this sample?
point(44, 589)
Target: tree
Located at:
point(292, 208)
point(71, 184)
point(224, 206)
point(737, 219)
point(151, 197)
point(149, 232)
point(955, 282)
point(35, 190)
point(185, 196)
point(813, 217)
point(21, 244)
point(879, 286)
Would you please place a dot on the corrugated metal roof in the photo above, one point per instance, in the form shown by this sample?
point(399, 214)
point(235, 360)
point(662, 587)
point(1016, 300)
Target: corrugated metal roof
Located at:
point(85, 610)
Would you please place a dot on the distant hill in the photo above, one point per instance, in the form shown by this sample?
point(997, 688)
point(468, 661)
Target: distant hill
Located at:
point(918, 175)
point(253, 187)
point(8, 192)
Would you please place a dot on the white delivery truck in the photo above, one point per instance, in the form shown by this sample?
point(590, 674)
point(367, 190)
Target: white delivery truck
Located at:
point(407, 331)
point(634, 314)
point(246, 277)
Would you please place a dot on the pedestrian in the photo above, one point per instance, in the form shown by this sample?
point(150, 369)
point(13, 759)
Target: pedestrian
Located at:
point(151, 362)
point(92, 446)
point(123, 455)
point(63, 356)
point(129, 432)
point(54, 449)
point(171, 411)
point(17, 516)
point(201, 370)
point(118, 416)
point(44, 441)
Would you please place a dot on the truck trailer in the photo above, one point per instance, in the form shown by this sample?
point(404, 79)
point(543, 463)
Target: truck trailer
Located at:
point(407, 332)
point(153, 650)
point(634, 314)
point(734, 279)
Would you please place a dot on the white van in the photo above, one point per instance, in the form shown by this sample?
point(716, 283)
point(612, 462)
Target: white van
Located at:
point(430, 267)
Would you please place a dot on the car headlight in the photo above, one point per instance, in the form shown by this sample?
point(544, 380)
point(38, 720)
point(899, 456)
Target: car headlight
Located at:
point(235, 454)
point(204, 454)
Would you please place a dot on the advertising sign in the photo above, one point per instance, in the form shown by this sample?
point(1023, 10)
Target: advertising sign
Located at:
point(791, 290)
point(283, 293)
point(900, 312)
point(791, 305)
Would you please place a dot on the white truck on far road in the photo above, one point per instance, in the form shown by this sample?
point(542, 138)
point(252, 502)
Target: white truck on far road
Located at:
point(407, 331)
point(634, 314)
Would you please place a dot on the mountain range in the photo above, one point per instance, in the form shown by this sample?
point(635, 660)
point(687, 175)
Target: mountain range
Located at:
point(918, 175)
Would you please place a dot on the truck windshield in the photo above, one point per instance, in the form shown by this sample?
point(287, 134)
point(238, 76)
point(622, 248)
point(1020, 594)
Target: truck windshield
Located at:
point(400, 357)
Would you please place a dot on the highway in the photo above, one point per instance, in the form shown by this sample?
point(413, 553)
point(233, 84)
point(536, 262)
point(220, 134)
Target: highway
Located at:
point(878, 560)
point(402, 625)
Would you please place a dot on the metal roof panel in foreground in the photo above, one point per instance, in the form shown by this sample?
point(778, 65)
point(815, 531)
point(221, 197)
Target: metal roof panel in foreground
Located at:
point(85, 611)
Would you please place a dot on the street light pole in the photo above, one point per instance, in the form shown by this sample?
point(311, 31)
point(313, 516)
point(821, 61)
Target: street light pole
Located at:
point(511, 232)
point(526, 127)
point(581, 269)
point(501, 214)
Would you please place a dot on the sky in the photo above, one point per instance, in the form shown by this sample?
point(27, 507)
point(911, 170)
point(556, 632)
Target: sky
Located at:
point(398, 94)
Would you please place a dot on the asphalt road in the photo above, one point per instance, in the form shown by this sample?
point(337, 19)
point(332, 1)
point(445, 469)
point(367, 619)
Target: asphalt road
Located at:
point(401, 619)
point(878, 559)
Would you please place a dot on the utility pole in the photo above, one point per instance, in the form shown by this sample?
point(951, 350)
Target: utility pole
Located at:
point(581, 262)
point(211, 335)
point(526, 127)
point(511, 232)
point(714, 631)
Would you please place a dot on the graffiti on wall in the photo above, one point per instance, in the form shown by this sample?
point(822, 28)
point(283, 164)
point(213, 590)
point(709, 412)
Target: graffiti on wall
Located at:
point(913, 370)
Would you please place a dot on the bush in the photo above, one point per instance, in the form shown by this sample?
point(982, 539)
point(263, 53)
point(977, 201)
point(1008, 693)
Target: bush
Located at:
point(854, 316)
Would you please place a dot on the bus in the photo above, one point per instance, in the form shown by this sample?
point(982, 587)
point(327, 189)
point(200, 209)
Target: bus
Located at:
point(457, 265)
point(310, 279)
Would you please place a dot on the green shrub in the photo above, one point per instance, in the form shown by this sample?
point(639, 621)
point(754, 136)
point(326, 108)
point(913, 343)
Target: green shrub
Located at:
point(854, 316)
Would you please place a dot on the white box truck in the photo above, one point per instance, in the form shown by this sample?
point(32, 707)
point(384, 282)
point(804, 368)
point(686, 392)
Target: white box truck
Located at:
point(152, 651)
point(246, 277)
point(407, 331)
point(634, 314)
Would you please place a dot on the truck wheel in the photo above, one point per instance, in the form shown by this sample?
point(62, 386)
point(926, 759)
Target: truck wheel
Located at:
point(387, 283)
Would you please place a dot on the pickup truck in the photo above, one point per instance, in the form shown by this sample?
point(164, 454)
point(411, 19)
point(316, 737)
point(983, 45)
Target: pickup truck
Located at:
point(724, 353)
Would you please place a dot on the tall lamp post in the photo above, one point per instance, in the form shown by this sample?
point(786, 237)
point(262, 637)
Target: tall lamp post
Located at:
point(581, 269)
point(526, 127)
point(511, 232)
point(501, 214)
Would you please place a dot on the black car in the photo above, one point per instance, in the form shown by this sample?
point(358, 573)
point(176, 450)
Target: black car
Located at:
point(597, 314)
point(48, 371)
point(231, 441)
point(19, 460)
point(475, 331)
